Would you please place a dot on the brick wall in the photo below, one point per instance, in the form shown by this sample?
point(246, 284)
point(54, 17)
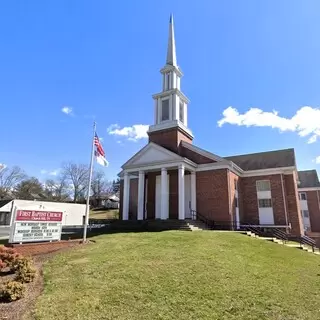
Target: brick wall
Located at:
point(314, 212)
point(133, 199)
point(212, 195)
point(169, 139)
point(293, 204)
point(250, 210)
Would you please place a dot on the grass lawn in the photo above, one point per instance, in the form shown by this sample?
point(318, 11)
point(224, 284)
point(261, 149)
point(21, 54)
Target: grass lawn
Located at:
point(181, 275)
point(104, 214)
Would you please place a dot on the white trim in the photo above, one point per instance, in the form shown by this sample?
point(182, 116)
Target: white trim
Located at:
point(217, 166)
point(172, 91)
point(126, 197)
point(171, 124)
point(167, 165)
point(265, 172)
point(181, 194)
point(150, 145)
point(309, 189)
point(284, 200)
point(193, 192)
point(169, 67)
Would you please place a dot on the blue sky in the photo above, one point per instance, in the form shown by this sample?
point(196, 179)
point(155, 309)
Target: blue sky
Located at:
point(101, 59)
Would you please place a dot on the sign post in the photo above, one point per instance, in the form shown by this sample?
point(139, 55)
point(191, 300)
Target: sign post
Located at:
point(36, 226)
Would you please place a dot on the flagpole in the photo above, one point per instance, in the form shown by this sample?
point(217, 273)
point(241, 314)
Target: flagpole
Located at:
point(89, 186)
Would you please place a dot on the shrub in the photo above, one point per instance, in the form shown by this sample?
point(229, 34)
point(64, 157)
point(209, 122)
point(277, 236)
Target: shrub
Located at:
point(11, 291)
point(25, 272)
point(9, 256)
point(2, 265)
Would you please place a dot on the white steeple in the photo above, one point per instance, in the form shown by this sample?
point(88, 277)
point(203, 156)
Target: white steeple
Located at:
point(171, 52)
point(171, 105)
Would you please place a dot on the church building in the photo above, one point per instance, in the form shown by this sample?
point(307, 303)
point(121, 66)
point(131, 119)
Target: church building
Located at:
point(171, 178)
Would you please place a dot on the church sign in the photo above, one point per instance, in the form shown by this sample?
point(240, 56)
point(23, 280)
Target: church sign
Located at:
point(36, 226)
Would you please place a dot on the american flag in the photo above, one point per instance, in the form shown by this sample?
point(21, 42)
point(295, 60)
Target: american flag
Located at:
point(99, 152)
point(98, 145)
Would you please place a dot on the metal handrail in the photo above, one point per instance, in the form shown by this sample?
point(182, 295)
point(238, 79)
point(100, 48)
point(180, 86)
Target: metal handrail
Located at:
point(279, 234)
point(307, 241)
point(197, 216)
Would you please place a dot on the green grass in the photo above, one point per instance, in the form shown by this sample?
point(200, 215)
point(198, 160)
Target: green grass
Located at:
point(104, 214)
point(181, 275)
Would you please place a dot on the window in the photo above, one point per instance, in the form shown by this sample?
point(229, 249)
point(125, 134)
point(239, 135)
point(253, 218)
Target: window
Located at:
point(263, 185)
point(181, 111)
point(305, 213)
point(265, 203)
point(302, 196)
point(167, 81)
point(165, 110)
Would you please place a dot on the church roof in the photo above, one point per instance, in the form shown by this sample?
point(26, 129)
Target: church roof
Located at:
point(308, 179)
point(265, 160)
point(171, 51)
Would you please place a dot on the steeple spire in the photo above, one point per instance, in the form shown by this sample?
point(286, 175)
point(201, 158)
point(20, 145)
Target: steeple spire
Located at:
point(171, 53)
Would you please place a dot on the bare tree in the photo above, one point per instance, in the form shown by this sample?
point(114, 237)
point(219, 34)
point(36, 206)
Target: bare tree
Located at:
point(9, 178)
point(29, 189)
point(100, 185)
point(77, 176)
point(57, 190)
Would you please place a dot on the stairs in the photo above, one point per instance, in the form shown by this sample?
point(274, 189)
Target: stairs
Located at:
point(196, 225)
point(157, 225)
point(291, 244)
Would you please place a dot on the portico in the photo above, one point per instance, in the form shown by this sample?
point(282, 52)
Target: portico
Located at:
point(158, 182)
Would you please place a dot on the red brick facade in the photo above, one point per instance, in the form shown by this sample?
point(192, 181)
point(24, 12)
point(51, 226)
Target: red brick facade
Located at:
point(212, 195)
point(169, 138)
point(313, 198)
point(215, 193)
point(293, 204)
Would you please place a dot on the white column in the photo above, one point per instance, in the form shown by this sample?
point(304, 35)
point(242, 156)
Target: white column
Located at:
point(141, 195)
point(126, 193)
point(159, 111)
point(181, 192)
point(164, 194)
point(193, 193)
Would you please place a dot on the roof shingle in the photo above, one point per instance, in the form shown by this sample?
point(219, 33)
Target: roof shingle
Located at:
point(265, 160)
point(308, 179)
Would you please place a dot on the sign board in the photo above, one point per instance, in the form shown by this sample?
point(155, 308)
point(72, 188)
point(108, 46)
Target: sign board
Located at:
point(34, 226)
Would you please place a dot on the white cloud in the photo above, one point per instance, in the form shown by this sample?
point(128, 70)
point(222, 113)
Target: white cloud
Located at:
point(317, 160)
point(133, 133)
point(305, 122)
point(54, 172)
point(67, 110)
point(50, 173)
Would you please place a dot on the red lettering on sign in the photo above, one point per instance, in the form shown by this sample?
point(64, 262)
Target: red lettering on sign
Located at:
point(32, 215)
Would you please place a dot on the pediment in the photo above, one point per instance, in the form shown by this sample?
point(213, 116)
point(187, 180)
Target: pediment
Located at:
point(151, 154)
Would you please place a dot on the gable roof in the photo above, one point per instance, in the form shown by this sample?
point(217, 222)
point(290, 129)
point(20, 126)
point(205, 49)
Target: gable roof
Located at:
point(152, 153)
point(308, 179)
point(265, 160)
point(209, 155)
